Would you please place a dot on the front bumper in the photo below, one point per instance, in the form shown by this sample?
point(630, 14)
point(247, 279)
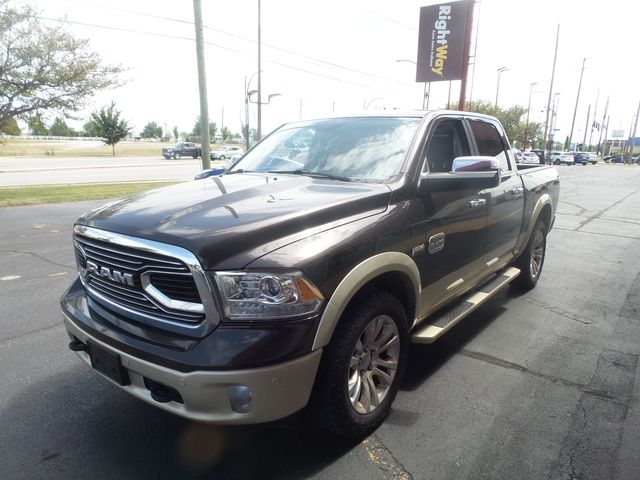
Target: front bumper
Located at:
point(276, 391)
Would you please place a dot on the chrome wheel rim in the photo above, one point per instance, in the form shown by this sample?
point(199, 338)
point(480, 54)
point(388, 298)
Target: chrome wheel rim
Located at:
point(537, 254)
point(373, 364)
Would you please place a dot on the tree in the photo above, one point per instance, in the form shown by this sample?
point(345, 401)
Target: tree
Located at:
point(45, 68)
point(11, 128)
point(89, 129)
point(36, 125)
point(197, 132)
point(226, 134)
point(175, 133)
point(59, 128)
point(110, 126)
point(151, 130)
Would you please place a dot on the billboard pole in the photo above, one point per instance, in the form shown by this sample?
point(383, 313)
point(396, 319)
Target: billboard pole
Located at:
point(465, 57)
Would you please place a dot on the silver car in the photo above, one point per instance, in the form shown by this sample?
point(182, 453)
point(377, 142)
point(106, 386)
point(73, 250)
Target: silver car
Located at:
point(226, 152)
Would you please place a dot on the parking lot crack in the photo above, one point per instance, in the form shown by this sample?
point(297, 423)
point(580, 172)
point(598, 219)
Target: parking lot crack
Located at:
point(561, 311)
point(597, 215)
point(380, 455)
point(499, 362)
point(40, 257)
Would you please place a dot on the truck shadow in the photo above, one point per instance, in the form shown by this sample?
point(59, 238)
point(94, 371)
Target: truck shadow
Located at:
point(426, 359)
point(77, 425)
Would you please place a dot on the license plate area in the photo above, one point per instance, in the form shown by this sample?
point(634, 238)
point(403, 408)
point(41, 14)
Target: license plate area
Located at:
point(108, 364)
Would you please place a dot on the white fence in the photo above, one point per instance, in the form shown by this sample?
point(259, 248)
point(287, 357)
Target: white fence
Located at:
point(53, 137)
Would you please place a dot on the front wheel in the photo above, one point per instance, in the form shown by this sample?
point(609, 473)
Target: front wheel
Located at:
point(362, 367)
point(222, 157)
point(531, 260)
point(176, 156)
point(557, 162)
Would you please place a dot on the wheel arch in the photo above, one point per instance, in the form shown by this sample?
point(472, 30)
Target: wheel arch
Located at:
point(393, 271)
point(543, 209)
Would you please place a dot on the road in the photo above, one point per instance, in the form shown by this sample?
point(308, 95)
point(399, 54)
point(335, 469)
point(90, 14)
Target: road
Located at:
point(16, 171)
point(536, 386)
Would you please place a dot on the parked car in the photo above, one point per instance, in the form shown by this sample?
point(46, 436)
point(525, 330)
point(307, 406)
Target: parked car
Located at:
point(182, 149)
point(226, 152)
point(592, 158)
point(541, 154)
point(303, 281)
point(561, 158)
point(581, 157)
point(530, 158)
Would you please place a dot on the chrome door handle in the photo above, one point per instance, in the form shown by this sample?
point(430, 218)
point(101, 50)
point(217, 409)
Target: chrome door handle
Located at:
point(517, 190)
point(479, 202)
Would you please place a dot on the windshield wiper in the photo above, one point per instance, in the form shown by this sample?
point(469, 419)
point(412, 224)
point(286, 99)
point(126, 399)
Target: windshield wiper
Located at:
point(240, 170)
point(310, 173)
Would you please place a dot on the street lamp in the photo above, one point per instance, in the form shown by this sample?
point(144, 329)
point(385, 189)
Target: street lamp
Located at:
point(366, 107)
point(246, 107)
point(526, 128)
point(271, 95)
point(575, 110)
point(500, 70)
point(425, 94)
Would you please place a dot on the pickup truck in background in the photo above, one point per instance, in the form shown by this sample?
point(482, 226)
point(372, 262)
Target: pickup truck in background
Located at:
point(182, 149)
point(300, 277)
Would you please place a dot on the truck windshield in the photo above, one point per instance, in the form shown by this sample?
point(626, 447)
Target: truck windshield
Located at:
point(369, 149)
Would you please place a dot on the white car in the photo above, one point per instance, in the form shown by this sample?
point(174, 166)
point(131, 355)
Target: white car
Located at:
point(561, 158)
point(530, 158)
point(226, 152)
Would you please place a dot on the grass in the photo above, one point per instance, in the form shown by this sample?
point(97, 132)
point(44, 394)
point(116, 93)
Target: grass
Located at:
point(33, 195)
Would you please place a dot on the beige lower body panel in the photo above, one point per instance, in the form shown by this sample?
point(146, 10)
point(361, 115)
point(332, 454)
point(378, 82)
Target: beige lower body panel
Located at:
point(276, 391)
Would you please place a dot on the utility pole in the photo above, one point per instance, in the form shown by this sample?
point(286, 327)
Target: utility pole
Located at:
point(500, 70)
point(526, 128)
point(635, 128)
point(595, 113)
point(475, 52)
point(553, 74)
point(584, 140)
point(222, 127)
point(606, 133)
point(246, 115)
point(259, 130)
point(465, 56)
point(604, 117)
point(575, 110)
point(202, 84)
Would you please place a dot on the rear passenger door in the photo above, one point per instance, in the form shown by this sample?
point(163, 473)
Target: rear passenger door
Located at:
point(506, 201)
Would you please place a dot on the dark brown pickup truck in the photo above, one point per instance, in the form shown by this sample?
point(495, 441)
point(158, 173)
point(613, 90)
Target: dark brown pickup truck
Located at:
point(301, 276)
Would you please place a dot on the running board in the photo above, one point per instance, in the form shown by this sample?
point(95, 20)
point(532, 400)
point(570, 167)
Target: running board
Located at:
point(447, 318)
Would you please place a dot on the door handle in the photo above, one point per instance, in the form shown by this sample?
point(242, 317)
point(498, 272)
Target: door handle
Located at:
point(517, 190)
point(479, 202)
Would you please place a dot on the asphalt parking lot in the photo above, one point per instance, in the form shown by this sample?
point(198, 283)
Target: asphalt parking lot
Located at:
point(543, 385)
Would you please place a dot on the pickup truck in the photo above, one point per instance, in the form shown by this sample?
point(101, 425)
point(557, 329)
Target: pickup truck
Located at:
point(300, 280)
point(182, 149)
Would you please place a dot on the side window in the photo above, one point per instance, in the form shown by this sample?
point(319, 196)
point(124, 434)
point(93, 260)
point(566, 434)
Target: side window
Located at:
point(490, 143)
point(448, 141)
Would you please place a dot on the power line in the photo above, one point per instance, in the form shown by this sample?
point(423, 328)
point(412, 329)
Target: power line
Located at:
point(178, 37)
point(246, 39)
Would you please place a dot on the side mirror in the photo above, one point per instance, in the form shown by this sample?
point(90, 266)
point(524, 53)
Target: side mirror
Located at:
point(467, 173)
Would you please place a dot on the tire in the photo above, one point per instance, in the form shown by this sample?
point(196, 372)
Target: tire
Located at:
point(375, 318)
point(531, 261)
point(194, 156)
point(221, 157)
point(176, 156)
point(167, 157)
point(557, 162)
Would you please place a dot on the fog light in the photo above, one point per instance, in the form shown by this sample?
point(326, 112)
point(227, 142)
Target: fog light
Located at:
point(240, 398)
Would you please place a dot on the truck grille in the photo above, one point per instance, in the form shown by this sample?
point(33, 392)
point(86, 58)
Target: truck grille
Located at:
point(125, 277)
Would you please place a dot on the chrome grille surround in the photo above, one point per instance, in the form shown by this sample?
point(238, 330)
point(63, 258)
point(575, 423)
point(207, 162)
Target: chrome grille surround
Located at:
point(118, 255)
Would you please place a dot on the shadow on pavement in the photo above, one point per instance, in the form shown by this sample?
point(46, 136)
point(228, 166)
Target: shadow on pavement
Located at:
point(78, 425)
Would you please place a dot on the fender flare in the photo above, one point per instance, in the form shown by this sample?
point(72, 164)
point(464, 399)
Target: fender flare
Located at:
point(542, 202)
point(360, 275)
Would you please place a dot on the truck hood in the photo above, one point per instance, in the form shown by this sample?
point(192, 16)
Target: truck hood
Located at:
point(220, 218)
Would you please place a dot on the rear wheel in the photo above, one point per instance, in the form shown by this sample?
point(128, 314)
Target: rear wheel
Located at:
point(531, 260)
point(362, 367)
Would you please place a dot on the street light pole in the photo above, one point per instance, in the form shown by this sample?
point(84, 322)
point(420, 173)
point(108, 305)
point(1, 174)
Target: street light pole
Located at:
point(553, 74)
point(526, 128)
point(425, 93)
point(575, 110)
point(259, 130)
point(500, 70)
point(202, 84)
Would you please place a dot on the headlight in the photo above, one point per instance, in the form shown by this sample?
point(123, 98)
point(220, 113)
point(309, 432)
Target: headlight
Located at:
point(261, 295)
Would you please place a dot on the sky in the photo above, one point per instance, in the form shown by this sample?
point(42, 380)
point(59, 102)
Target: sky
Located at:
point(338, 57)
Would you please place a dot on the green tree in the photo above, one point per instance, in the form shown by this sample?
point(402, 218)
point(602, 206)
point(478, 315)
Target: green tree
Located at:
point(45, 67)
point(59, 128)
point(11, 128)
point(175, 133)
point(36, 125)
point(89, 129)
point(151, 130)
point(510, 118)
point(110, 126)
point(197, 132)
point(226, 134)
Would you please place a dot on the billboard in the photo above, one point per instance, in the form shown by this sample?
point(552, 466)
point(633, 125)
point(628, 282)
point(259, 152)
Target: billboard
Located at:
point(617, 133)
point(442, 39)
